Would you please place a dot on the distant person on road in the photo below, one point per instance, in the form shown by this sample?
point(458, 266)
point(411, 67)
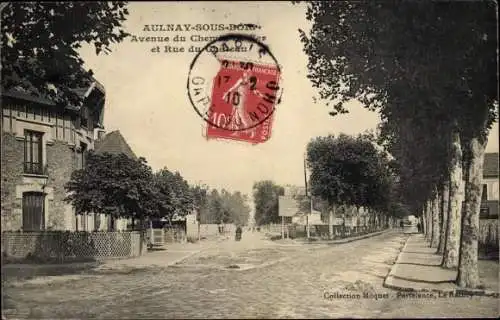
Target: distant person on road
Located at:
point(419, 227)
point(401, 225)
point(239, 231)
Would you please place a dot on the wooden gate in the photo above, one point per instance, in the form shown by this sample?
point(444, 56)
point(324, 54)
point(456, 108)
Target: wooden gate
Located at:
point(33, 211)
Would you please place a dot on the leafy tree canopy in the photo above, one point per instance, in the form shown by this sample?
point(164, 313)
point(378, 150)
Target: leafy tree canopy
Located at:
point(40, 42)
point(174, 194)
point(428, 67)
point(113, 184)
point(266, 198)
point(404, 53)
point(225, 207)
point(348, 170)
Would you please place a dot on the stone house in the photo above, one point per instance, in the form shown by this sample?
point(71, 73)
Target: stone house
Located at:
point(42, 144)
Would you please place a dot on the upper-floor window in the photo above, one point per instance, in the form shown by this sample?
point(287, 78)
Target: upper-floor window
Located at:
point(84, 117)
point(33, 148)
point(81, 154)
point(83, 148)
point(484, 195)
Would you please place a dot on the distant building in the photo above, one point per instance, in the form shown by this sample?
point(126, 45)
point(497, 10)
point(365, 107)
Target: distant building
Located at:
point(489, 195)
point(489, 201)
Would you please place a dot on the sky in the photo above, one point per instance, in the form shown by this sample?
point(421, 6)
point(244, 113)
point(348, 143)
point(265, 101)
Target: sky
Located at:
point(147, 100)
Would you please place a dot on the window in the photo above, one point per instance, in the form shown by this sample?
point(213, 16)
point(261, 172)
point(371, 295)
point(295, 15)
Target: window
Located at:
point(84, 117)
point(81, 154)
point(33, 152)
point(33, 211)
point(83, 150)
point(484, 195)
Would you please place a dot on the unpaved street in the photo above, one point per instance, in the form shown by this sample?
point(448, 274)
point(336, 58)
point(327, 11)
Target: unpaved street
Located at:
point(271, 282)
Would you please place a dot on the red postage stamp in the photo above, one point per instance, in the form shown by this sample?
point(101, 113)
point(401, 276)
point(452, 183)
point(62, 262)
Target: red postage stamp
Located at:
point(243, 100)
point(234, 84)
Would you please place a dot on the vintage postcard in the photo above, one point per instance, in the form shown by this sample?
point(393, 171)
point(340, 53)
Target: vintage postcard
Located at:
point(249, 159)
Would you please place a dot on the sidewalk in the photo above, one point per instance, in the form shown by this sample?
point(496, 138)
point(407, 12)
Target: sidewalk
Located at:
point(174, 253)
point(345, 240)
point(417, 268)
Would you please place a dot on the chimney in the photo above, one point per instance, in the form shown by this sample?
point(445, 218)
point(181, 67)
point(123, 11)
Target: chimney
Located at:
point(100, 134)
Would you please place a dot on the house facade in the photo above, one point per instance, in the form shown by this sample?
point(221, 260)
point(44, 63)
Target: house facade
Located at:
point(42, 144)
point(489, 201)
point(489, 195)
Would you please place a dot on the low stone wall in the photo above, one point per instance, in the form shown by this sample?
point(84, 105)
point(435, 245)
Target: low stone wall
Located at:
point(65, 246)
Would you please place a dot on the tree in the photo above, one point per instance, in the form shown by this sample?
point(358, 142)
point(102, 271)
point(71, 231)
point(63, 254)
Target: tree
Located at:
point(214, 212)
point(174, 194)
point(115, 185)
point(266, 198)
point(40, 42)
point(223, 206)
point(348, 171)
point(237, 207)
point(200, 198)
point(435, 60)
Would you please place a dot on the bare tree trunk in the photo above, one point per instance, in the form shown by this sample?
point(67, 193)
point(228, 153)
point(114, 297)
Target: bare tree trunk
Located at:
point(445, 197)
point(468, 273)
point(424, 222)
point(428, 214)
point(330, 222)
point(435, 221)
point(453, 228)
point(431, 220)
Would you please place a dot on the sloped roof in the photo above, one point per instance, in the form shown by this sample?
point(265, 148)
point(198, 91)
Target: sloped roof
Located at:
point(114, 143)
point(33, 95)
point(490, 165)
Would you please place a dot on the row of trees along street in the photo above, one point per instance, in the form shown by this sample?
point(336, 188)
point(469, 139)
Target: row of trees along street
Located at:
point(122, 187)
point(349, 171)
point(346, 172)
point(430, 70)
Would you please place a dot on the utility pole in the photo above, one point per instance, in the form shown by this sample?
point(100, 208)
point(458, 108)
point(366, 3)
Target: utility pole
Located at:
point(282, 227)
point(308, 194)
point(198, 223)
point(307, 219)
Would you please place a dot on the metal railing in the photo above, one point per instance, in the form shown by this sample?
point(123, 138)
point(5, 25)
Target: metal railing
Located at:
point(35, 168)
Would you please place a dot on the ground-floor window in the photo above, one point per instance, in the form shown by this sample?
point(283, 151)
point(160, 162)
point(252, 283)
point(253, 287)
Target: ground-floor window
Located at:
point(33, 211)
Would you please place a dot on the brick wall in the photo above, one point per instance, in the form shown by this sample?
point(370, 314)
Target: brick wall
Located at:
point(11, 175)
point(61, 162)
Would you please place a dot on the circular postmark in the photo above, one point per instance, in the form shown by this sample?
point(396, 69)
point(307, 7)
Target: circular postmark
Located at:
point(234, 82)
